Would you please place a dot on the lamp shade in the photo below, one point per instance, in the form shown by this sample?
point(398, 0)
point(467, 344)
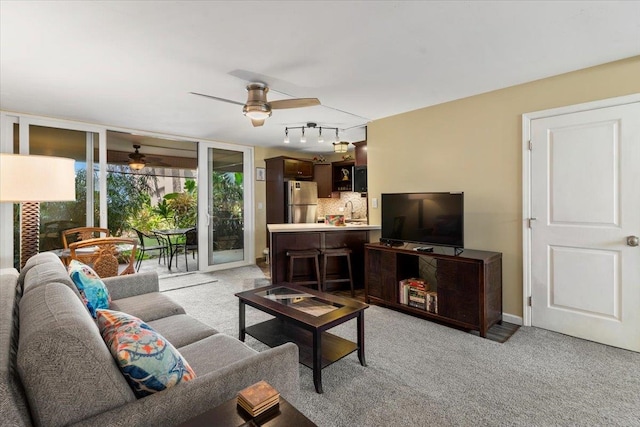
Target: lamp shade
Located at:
point(36, 178)
point(340, 147)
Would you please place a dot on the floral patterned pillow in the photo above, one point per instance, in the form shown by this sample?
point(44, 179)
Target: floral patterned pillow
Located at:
point(91, 287)
point(147, 360)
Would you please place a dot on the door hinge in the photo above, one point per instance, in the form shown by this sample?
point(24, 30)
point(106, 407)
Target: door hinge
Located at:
point(529, 301)
point(530, 145)
point(529, 220)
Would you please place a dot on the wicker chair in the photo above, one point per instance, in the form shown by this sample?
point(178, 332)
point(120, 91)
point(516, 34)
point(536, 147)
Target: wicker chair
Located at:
point(82, 233)
point(102, 255)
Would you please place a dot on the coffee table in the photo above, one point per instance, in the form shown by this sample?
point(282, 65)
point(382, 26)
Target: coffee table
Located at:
point(303, 316)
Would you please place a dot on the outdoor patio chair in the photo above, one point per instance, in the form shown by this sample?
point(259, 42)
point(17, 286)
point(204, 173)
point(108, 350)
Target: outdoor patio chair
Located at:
point(157, 243)
point(82, 233)
point(102, 255)
point(190, 244)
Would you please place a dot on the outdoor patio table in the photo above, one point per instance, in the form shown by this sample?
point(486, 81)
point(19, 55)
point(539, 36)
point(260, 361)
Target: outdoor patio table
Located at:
point(173, 247)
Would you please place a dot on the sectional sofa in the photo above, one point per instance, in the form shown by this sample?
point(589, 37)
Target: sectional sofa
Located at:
point(57, 370)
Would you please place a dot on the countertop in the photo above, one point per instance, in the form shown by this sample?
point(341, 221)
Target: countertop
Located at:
point(290, 228)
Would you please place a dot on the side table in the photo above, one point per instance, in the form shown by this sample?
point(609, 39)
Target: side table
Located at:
point(228, 414)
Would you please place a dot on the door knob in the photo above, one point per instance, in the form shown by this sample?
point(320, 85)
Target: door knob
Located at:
point(633, 240)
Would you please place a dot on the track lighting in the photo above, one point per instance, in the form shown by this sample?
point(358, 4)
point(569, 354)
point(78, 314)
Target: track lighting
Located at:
point(310, 125)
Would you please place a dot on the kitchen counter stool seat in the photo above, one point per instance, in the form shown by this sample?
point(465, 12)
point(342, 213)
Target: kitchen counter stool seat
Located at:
point(337, 252)
point(305, 254)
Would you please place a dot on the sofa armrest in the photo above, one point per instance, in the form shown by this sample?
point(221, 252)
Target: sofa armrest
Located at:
point(131, 285)
point(278, 366)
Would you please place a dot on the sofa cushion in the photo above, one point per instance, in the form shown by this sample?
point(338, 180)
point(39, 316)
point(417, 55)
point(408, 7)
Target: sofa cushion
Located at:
point(148, 307)
point(93, 291)
point(148, 361)
point(182, 329)
point(67, 370)
point(215, 352)
point(47, 272)
point(40, 258)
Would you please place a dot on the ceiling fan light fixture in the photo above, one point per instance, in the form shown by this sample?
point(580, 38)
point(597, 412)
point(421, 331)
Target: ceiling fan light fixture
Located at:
point(257, 112)
point(136, 160)
point(320, 137)
point(303, 138)
point(340, 147)
point(286, 135)
point(136, 165)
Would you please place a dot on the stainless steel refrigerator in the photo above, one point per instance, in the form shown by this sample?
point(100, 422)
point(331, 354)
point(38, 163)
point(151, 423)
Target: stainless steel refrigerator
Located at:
point(302, 201)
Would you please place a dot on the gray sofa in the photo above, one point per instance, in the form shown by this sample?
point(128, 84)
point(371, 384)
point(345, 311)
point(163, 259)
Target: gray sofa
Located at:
point(56, 369)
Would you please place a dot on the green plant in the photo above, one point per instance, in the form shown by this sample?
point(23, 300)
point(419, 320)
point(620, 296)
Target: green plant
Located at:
point(183, 206)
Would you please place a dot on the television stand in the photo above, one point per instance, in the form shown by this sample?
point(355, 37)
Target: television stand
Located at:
point(468, 286)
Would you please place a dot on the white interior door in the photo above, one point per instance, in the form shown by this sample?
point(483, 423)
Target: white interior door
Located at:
point(225, 206)
point(585, 198)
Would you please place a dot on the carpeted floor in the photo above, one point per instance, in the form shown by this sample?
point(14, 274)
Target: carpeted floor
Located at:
point(420, 373)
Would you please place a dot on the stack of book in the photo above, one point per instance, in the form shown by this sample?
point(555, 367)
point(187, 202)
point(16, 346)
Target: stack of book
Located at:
point(258, 398)
point(413, 292)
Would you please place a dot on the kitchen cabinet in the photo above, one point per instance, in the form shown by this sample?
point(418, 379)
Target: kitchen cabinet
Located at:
point(322, 175)
point(342, 175)
point(361, 153)
point(297, 169)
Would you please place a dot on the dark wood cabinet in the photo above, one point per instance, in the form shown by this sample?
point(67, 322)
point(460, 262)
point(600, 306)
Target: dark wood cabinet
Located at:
point(297, 169)
point(468, 286)
point(281, 242)
point(322, 175)
point(342, 175)
point(361, 153)
point(279, 170)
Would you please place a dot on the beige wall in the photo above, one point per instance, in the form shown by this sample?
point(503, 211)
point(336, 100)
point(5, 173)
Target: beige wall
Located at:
point(475, 145)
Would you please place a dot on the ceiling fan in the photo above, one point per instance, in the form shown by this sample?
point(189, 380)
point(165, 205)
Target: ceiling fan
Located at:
point(257, 108)
point(136, 159)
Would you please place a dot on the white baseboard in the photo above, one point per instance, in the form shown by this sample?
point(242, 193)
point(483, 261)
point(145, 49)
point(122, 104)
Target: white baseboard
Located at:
point(510, 318)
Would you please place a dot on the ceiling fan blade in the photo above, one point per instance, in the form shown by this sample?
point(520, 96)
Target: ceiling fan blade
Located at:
point(294, 103)
point(217, 99)
point(257, 123)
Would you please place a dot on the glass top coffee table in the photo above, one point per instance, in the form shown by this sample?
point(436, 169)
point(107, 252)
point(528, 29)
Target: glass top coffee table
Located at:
point(303, 316)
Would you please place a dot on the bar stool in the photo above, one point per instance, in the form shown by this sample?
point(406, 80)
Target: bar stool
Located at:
point(304, 254)
point(345, 252)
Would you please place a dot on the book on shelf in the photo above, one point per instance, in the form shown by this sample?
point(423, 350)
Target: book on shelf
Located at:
point(432, 302)
point(258, 398)
point(412, 292)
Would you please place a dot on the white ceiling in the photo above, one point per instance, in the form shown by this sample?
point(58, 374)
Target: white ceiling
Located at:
point(132, 64)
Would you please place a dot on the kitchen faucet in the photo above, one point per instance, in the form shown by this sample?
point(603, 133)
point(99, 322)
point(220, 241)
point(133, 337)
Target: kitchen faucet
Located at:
point(345, 205)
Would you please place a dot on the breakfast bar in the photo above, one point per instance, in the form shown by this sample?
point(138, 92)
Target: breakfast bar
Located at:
point(288, 237)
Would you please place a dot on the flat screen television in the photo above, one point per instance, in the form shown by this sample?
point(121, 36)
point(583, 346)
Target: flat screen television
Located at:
point(424, 218)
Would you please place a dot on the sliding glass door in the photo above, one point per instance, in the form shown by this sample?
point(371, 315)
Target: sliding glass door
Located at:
point(225, 206)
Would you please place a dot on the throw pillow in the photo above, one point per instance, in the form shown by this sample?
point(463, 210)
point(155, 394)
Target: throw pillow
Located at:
point(91, 287)
point(147, 360)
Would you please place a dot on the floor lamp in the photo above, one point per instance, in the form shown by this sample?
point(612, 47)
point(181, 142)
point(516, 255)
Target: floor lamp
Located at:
point(30, 180)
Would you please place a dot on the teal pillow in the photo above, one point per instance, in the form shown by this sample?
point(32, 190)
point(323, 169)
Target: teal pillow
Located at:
point(91, 287)
point(146, 359)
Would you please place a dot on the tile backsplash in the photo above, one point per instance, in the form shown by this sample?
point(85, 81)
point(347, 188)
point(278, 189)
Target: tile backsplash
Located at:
point(335, 206)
